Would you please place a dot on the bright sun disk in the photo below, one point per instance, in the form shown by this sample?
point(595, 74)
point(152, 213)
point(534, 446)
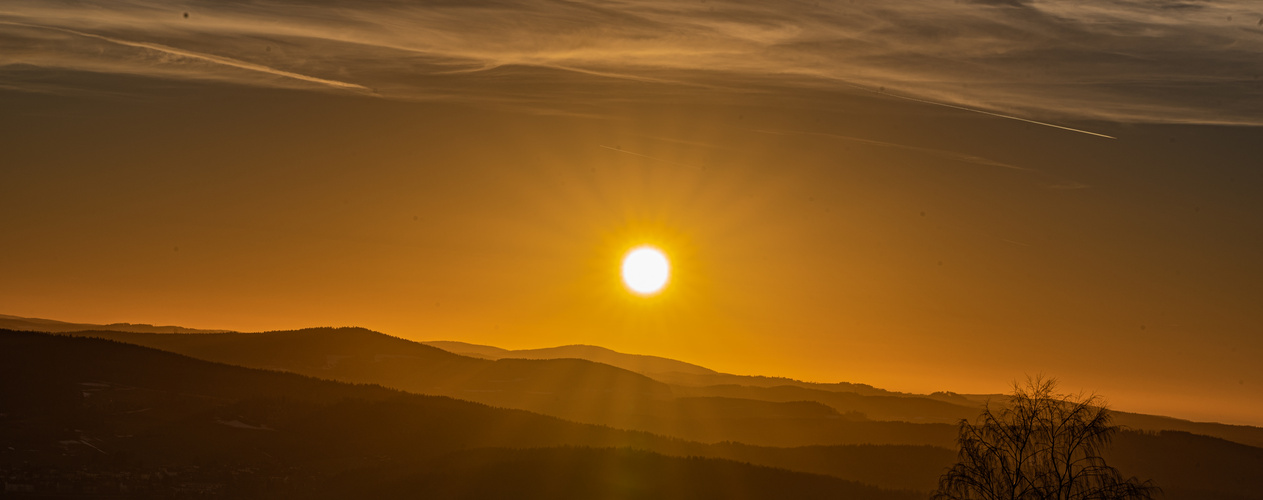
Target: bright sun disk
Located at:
point(645, 270)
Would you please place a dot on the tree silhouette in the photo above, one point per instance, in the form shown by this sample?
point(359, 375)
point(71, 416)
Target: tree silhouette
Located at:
point(1041, 445)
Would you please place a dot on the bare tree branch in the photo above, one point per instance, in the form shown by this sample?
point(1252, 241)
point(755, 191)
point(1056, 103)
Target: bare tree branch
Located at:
point(1039, 445)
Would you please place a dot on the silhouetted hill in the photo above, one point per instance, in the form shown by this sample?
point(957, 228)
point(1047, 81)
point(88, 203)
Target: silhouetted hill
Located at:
point(92, 409)
point(295, 350)
point(710, 407)
point(1243, 434)
point(590, 392)
point(93, 414)
point(889, 466)
point(663, 369)
point(877, 407)
point(702, 380)
point(574, 389)
point(367, 356)
point(638, 363)
point(853, 400)
point(359, 355)
point(47, 325)
point(594, 474)
point(1191, 466)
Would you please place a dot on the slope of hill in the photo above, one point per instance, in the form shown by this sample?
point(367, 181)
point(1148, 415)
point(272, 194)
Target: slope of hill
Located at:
point(667, 370)
point(856, 401)
point(1243, 434)
point(72, 404)
point(847, 398)
point(638, 363)
point(592, 474)
point(891, 408)
point(98, 416)
point(313, 349)
point(1191, 466)
point(596, 393)
point(47, 325)
point(690, 380)
point(348, 347)
point(574, 389)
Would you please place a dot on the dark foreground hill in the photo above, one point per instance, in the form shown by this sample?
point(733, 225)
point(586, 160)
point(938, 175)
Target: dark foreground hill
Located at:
point(697, 406)
point(547, 385)
point(574, 389)
point(588, 473)
point(847, 398)
point(83, 417)
point(278, 350)
point(83, 409)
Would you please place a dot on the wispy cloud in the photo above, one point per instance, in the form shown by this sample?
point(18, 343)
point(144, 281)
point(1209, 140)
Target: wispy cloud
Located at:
point(206, 57)
point(1008, 117)
point(1040, 60)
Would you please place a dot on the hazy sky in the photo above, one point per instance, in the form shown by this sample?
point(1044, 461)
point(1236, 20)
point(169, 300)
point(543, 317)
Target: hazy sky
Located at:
point(919, 195)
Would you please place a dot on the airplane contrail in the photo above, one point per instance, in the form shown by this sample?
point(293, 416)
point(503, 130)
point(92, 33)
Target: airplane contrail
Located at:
point(998, 115)
point(226, 61)
point(646, 156)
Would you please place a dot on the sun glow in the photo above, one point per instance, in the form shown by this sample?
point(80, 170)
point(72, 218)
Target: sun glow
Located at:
point(645, 270)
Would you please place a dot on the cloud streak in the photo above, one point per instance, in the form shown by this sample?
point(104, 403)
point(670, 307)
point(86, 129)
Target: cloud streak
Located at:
point(621, 150)
point(1043, 61)
point(1008, 117)
point(208, 58)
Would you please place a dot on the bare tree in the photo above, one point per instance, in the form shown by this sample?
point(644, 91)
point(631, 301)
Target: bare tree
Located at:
point(1041, 445)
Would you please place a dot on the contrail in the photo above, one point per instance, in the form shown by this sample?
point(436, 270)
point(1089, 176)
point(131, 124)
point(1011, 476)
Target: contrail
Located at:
point(998, 115)
point(205, 57)
point(646, 156)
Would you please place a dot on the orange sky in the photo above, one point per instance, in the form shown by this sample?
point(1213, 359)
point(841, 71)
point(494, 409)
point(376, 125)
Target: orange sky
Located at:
point(818, 231)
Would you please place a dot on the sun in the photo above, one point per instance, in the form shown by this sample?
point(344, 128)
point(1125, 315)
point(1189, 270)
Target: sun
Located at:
point(646, 270)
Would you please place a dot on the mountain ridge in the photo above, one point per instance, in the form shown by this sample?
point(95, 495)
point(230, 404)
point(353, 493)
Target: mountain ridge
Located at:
point(66, 400)
point(940, 407)
point(639, 363)
point(19, 323)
